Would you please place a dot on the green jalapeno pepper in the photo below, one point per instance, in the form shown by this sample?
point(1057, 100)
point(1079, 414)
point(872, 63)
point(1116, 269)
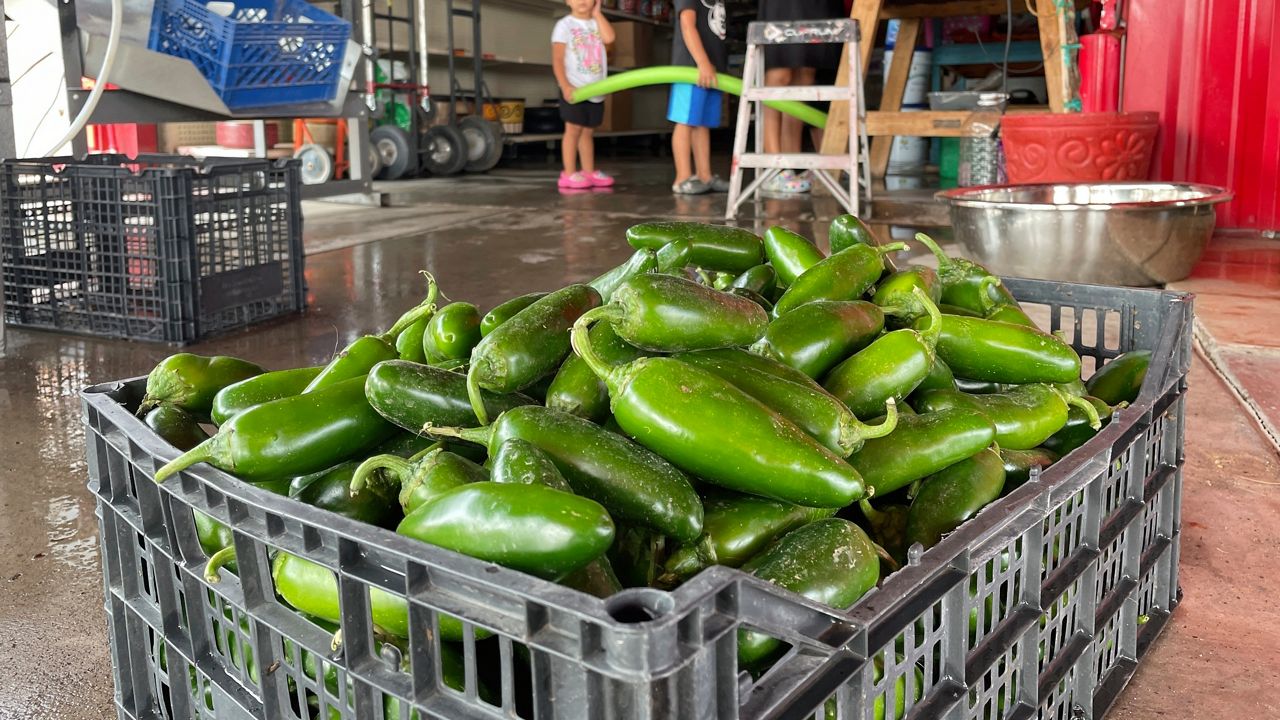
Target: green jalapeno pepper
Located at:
point(981, 349)
point(1080, 427)
point(710, 247)
point(921, 445)
point(988, 293)
point(636, 555)
point(813, 410)
point(843, 276)
point(939, 378)
point(330, 490)
point(980, 387)
point(178, 427)
point(736, 527)
point(636, 485)
point(949, 497)
point(754, 297)
point(1121, 379)
point(576, 389)
point(452, 332)
point(712, 429)
point(1024, 417)
point(420, 478)
point(957, 310)
point(642, 262)
point(846, 231)
point(520, 462)
point(1018, 464)
point(790, 254)
point(363, 353)
point(763, 364)
point(830, 561)
point(888, 527)
point(191, 381)
point(292, 436)
point(761, 279)
point(890, 368)
point(896, 291)
point(531, 528)
point(413, 396)
point(964, 282)
point(238, 397)
point(596, 578)
point(528, 346)
point(664, 313)
point(816, 336)
point(409, 342)
point(506, 311)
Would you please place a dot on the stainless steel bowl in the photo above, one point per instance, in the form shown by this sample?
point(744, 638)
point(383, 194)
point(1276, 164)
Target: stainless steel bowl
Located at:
point(1140, 233)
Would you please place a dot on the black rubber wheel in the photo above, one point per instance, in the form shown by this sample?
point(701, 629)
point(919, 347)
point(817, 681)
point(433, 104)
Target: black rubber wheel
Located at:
point(317, 164)
point(445, 150)
point(374, 162)
point(396, 151)
point(484, 143)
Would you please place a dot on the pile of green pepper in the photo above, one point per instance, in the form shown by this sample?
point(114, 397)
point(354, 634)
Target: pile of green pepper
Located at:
point(720, 398)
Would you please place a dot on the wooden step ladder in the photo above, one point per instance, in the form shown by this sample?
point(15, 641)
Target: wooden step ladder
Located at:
point(852, 159)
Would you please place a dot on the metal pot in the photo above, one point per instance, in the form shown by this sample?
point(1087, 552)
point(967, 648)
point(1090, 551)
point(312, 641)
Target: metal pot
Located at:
point(1137, 233)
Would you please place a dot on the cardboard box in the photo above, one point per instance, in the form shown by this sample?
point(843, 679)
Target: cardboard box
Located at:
point(617, 112)
point(633, 46)
point(171, 136)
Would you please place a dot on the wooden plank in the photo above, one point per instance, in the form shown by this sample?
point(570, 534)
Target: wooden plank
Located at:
point(1051, 47)
point(929, 123)
point(895, 86)
point(835, 139)
point(956, 8)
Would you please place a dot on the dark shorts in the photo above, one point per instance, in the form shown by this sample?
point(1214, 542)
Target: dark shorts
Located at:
point(801, 55)
point(587, 114)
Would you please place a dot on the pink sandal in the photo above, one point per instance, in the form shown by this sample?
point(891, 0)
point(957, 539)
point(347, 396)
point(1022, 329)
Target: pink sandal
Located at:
point(600, 180)
point(576, 181)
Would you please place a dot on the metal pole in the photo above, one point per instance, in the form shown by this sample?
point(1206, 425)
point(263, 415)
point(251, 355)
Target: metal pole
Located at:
point(8, 144)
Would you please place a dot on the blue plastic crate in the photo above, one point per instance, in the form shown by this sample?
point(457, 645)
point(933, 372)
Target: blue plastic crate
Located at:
point(267, 52)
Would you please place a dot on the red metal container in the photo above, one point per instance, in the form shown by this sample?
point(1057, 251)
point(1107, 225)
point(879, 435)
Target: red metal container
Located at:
point(1100, 72)
point(1078, 147)
point(239, 134)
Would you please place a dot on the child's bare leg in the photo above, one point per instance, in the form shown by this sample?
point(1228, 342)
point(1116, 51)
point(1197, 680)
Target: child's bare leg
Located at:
point(569, 147)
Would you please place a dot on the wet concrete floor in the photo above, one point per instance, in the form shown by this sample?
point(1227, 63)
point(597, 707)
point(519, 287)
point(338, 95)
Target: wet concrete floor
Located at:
point(488, 239)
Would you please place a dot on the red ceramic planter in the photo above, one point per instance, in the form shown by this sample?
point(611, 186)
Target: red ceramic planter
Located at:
point(1079, 147)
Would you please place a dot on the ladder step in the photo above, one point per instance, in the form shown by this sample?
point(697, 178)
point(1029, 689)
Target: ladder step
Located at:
point(816, 92)
point(804, 161)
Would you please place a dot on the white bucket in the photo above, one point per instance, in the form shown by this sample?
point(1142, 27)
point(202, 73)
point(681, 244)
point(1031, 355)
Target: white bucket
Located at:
point(918, 77)
point(909, 154)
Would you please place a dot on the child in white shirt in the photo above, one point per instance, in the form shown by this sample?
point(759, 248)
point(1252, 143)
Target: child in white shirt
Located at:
point(578, 59)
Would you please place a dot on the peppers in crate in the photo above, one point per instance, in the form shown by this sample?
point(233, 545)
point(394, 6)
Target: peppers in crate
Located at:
point(846, 231)
point(920, 446)
point(981, 349)
point(520, 462)
point(531, 528)
point(330, 490)
point(359, 357)
point(890, 368)
point(292, 436)
point(192, 381)
point(829, 561)
point(1018, 465)
point(413, 396)
point(643, 261)
point(409, 342)
point(576, 389)
point(845, 275)
point(761, 279)
point(735, 528)
point(896, 290)
point(664, 313)
point(1024, 416)
point(420, 478)
point(763, 364)
point(939, 378)
point(178, 427)
point(527, 347)
point(789, 254)
point(949, 497)
point(238, 397)
point(1080, 426)
point(965, 283)
point(816, 336)
point(637, 486)
point(506, 311)
point(452, 332)
point(719, 433)
point(813, 410)
point(889, 528)
point(1121, 379)
point(711, 247)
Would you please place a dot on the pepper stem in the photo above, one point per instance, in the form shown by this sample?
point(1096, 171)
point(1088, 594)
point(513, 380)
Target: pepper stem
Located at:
point(215, 563)
point(869, 511)
point(934, 330)
point(985, 299)
point(475, 396)
point(890, 248)
point(581, 339)
point(198, 454)
point(854, 432)
point(426, 308)
point(1087, 407)
point(894, 565)
point(478, 435)
point(944, 262)
point(393, 465)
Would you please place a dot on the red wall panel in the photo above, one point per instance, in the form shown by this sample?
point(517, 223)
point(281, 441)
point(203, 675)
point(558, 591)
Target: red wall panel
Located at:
point(1211, 68)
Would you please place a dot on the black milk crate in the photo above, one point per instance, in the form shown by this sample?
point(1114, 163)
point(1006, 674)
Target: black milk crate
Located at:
point(1041, 606)
point(161, 248)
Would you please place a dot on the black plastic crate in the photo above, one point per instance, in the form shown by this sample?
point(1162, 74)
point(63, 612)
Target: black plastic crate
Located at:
point(161, 248)
point(1040, 607)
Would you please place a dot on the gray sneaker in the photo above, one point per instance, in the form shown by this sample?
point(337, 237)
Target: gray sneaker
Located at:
point(719, 184)
point(691, 186)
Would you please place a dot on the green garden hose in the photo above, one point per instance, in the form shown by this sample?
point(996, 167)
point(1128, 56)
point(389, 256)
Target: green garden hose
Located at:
point(668, 74)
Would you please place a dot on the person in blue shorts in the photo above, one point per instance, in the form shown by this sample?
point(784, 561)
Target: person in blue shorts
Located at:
point(695, 109)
